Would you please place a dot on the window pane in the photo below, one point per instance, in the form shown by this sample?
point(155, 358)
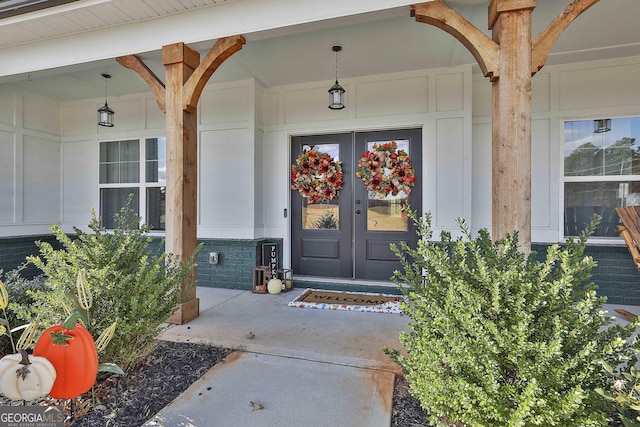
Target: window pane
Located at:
point(114, 199)
point(385, 214)
point(129, 151)
point(615, 152)
point(156, 160)
point(130, 172)
point(109, 151)
point(324, 215)
point(156, 208)
point(109, 173)
point(316, 216)
point(583, 199)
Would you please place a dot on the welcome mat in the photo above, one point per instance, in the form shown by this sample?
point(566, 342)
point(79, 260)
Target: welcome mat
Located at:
point(352, 301)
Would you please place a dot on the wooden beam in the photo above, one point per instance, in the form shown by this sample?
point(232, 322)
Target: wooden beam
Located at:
point(155, 84)
point(544, 41)
point(182, 168)
point(223, 49)
point(483, 49)
point(511, 124)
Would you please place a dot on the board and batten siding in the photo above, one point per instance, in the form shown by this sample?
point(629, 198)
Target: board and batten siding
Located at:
point(30, 163)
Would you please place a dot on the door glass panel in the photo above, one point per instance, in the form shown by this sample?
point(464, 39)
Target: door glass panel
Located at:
point(385, 213)
point(318, 216)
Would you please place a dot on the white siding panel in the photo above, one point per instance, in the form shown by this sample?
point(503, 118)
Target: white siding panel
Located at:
point(392, 97)
point(277, 157)
point(310, 105)
point(129, 115)
point(7, 177)
point(41, 187)
point(155, 118)
point(481, 176)
point(7, 108)
point(226, 105)
point(540, 174)
point(80, 182)
point(450, 92)
point(541, 93)
point(482, 101)
point(79, 120)
point(600, 87)
point(41, 114)
point(271, 108)
point(450, 174)
point(227, 178)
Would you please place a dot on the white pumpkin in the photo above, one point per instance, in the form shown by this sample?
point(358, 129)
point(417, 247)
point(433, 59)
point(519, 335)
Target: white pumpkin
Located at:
point(24, 377)
point(274, 286)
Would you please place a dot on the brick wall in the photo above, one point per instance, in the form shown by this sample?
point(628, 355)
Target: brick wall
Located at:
point(615, 275)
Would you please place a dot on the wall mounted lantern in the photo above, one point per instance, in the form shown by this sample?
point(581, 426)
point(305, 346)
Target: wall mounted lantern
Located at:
point(336, 91)
point(601, 125)
point(105, 114)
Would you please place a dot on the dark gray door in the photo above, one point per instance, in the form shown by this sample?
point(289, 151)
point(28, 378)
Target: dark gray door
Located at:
point(349, 237)
point(321, 232)
point(380, 221)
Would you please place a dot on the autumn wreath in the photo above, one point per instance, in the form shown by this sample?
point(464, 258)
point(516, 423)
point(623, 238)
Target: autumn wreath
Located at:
point(317, 176)
point(386, 170)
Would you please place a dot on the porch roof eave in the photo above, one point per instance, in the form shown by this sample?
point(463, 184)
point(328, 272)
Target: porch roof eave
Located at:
point(204, 24)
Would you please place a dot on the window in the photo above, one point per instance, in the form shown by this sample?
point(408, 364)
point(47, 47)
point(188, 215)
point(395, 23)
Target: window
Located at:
point(123, 173)
point(601, 172)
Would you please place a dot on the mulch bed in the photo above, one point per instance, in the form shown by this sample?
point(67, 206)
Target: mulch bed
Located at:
point(134, 398)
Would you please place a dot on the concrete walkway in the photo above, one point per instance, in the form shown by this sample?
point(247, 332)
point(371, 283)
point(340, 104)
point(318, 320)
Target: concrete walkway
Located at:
point(305, 367)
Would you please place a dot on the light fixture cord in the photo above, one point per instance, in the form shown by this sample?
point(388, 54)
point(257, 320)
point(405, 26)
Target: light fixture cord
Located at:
point(336, 67)
point(106, 85)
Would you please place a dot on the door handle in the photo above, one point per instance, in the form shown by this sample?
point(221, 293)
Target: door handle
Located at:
point(357, 211)
point(357, 202)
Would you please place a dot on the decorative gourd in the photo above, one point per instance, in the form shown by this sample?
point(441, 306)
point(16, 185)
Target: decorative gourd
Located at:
point(72, 352)
point(288, 284)
point(22, 378)
point(274, 286)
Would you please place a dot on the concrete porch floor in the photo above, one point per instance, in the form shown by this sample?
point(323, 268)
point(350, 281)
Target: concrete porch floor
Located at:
point(307, 367)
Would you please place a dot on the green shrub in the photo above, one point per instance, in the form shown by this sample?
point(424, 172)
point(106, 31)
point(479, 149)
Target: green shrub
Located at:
point(499, 339)
point(131, 280)
point(17, 288)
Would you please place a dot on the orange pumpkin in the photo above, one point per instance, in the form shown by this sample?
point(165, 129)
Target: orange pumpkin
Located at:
point(73, 354)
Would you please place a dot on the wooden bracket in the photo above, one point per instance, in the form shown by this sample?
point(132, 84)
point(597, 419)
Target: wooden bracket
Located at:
point(155, 84)
point(483, 49)
point(545, 40)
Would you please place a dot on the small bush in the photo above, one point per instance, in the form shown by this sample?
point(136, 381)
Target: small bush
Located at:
point(131, 279)
point(18, 288)
point(500, 339)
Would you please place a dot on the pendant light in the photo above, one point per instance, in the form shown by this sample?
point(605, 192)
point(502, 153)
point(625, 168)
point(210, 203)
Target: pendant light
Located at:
point(336, 91)
point(601, 125)
point(105, 114)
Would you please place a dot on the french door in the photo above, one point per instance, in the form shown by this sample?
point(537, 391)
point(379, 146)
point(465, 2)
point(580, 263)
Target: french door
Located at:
point(349, 236)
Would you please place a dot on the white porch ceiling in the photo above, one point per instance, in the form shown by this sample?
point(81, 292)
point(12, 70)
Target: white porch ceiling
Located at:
point(377, 42)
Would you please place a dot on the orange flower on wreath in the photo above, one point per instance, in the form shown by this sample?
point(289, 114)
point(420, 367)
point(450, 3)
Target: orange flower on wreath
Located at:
point(316, 176)
point(386, 170)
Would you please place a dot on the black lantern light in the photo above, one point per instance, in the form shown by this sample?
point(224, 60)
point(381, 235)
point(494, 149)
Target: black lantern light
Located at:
point(336, 91)
point(105, 114)
point(601, 125)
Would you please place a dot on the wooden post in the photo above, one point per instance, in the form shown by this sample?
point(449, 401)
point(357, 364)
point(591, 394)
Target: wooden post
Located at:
point(509, 60)
point(510, 22)
point(186, 77)
point(182, 169)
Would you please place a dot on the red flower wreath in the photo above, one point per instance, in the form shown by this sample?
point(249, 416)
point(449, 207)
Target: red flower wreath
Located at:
point(316, 176)
point(386, 170)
